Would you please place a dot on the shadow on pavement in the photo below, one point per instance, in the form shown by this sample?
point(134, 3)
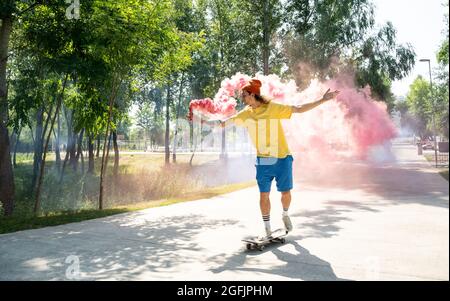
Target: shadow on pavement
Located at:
point(323, 223)
point(116, 248)
point(302, 265)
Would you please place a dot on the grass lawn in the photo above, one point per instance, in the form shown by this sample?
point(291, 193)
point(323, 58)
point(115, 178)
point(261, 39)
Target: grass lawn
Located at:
point(18, 223)
point(442, 171)
point(143, 182)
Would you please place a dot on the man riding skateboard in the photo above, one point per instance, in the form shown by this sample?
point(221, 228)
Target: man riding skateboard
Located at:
point(262, 119)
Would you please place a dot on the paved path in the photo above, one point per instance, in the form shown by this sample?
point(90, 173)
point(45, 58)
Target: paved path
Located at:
point(384, 222)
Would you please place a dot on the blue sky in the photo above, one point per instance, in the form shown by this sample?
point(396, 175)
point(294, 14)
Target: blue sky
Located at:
point(419, 23)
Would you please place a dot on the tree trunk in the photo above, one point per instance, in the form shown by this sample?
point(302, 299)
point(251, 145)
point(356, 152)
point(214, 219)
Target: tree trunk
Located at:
point(16, 145)
point(167, 136)
point(223, 152)
point(193, 140)
point(47, 120)
point(91, 155)
point(180, 97)
point(41, 173)
point(108, 148)
point(82, 162)
point(71, 140)
point(6, 173)
point(12, 138)
point(57, 143)
point(106, 145)
point(6, 170)
point(193, 154)
point(73, 150)
point(116, 154)
point(66, 158)
point(38, 145)
point(98, 146)
point(68, 144)
point(31, 133)
point(105, 158)
point(80, 151)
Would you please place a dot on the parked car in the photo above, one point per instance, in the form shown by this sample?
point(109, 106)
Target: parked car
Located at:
point(428, 145)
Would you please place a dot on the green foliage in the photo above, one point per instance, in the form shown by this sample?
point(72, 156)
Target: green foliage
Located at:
point(442, 55)
point(423, 104)
point(441, 96)
point(26, 222)
point(7, 8)
point(380, 61)
point(129, 52)
point(233, 41)
point(326, 28)
point(442, 82)
point(320, 33)
point(420, 105)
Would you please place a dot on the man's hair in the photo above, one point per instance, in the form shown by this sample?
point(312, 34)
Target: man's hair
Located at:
point(262, 99)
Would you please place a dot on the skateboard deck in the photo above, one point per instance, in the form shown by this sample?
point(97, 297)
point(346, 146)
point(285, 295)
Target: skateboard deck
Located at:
point(260, 242)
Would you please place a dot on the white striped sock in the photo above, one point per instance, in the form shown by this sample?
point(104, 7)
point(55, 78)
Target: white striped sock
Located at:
point(266, 219)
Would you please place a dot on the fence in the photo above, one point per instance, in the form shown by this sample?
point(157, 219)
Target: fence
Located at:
point(442, 154)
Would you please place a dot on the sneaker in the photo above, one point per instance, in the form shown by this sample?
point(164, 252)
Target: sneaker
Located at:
point(287, 223)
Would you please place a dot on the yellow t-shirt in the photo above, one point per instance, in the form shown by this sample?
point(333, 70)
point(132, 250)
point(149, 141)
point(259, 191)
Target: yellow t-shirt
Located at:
point(265, 129)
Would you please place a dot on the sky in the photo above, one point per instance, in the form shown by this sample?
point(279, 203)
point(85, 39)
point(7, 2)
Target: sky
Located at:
point(419, 23)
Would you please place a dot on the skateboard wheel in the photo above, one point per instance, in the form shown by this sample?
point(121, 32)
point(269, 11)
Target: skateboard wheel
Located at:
point(282, 240)
point(249, 246)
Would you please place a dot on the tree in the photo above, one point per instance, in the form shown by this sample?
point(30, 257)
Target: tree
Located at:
point(9, 11)
point(442, 55)
point(177, 58)
point(6, 172)
point(127, 33)
point(240, 36)
point(149, 117)
point(442, 82)
point(423, 104)
point(323, 33)
point(420, 106)
point(379, 61)
point(56, 49)
point(441, 98)
point(137, 38)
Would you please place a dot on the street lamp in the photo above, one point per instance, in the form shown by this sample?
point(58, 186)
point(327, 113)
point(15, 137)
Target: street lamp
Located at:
point(432, 107)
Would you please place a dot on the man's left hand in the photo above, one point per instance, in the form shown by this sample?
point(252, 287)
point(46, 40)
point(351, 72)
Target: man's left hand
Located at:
point(330, 95)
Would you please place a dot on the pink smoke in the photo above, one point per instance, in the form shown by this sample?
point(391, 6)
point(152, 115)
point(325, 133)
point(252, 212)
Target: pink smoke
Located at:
point(224, 102)
point(350, 125)
point(368, 121)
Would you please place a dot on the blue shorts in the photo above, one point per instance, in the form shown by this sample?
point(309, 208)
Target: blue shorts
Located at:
point(269, 168)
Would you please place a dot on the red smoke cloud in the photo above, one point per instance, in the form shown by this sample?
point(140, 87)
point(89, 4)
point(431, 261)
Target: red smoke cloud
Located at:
point(224, 102)
point(349, 125)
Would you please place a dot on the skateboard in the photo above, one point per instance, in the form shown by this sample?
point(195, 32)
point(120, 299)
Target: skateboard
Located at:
point(260, 242)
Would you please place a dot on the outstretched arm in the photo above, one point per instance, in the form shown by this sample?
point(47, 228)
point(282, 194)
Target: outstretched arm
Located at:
point(309, 106)
point(227, 121)
point(220, 122)
point(238, 118)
